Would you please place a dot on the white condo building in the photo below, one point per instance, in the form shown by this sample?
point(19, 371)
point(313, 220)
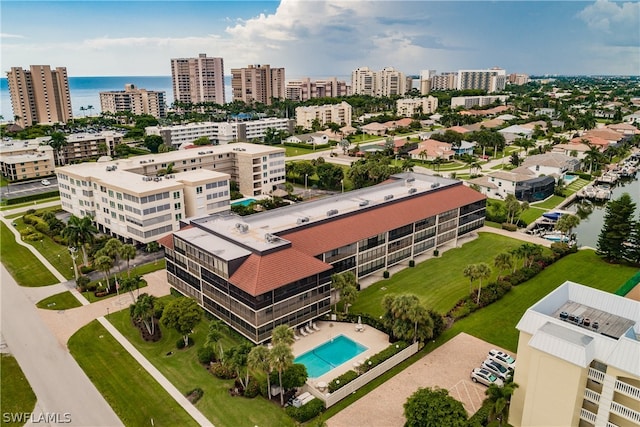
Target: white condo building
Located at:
point(143, 198)
point(407, 107)
point(493, 80)
point(138, 101)
point(219, 133)
point(305, 89)
point(330, 113)
point(386, 82)
point(472, 101)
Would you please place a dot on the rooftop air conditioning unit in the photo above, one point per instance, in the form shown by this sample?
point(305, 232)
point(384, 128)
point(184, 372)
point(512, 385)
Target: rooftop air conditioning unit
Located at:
point(408, 181)
point(364, 203)
point(332, 212)
point(435, 185)
point(388, 197)
point(270, 238)
point(243, 228)
point(303, 220)
point(412, 190)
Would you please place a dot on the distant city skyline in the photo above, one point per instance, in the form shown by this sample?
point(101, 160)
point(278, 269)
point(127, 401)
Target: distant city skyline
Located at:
point(323, 38)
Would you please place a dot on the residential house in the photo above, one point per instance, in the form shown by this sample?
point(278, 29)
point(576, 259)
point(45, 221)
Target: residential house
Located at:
point(431, 149)
point(315, 138)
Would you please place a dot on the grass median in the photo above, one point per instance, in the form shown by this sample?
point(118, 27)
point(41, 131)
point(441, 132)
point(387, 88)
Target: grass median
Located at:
point(133, 394)
point(62, 301)
point(16, 394)
point(25, 268)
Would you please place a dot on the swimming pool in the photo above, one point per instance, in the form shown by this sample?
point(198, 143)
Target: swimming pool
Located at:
point(245, 202)
point(329, 355)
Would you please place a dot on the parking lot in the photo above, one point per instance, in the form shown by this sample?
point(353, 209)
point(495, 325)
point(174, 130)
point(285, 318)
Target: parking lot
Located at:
point(446, 367)
point(35, 186)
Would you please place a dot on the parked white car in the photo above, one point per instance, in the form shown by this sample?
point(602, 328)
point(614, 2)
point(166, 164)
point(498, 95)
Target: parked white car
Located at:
point(482, 376)
point(497, 369)
point(503, 358)
point(45, 182)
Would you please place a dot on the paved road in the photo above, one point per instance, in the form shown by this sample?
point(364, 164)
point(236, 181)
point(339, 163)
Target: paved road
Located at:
point(20, 189)
point(57, 380)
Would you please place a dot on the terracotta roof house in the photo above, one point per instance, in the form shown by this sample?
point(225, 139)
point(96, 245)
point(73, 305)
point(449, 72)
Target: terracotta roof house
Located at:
point(609, 135)
point(431, 149)
point(578, 149)
point(375, 128)
point(458, 129)
point(274, 267)
point(392, 125)
point(601, 143)
point(624, 129)
point(487, 124)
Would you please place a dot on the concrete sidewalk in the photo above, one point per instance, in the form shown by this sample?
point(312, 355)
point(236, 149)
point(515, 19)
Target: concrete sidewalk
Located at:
point(155, 373)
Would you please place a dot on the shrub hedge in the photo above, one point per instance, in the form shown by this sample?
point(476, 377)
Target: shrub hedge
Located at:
point(32, 197)
point(306, 412)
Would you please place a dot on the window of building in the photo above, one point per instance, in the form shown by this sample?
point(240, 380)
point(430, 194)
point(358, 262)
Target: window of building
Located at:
point(176, 194)
point(178, 217)
point(119, 196)
point(110, 193)
point(198, 190)
point(177, 206)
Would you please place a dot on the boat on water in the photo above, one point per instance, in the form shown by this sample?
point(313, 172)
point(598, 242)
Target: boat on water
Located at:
point(556, 236)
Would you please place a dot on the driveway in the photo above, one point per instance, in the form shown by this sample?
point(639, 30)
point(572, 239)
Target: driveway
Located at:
point(446, 367)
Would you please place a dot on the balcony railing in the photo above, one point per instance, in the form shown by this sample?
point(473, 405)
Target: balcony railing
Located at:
point(596, 375)
point(627, 389)
point(610, 424)
point(591, 396)
point(588, 416)
point(625, 412)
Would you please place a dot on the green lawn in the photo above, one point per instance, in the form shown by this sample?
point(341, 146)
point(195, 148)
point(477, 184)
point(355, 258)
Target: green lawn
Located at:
point(549, 203)
point(576, 185)
point(185, 372)
point(438, 282)
point(138, 270)
point(496, 323)
point(296, 151)
point(531, 214)
point(132, 393)
point(32, 203)
point(16, 394)
point(25, 268)
point(62, 301)
point(57, 254)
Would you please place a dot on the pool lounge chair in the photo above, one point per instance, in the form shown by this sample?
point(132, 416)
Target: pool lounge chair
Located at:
point(295, 336)
point(314, 326)
point(308, 329)
point(303, 333)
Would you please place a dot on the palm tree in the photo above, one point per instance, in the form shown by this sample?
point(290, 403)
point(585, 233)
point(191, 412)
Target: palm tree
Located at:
point(112, 249)
point(127, 252)
point(215, 333)
point(484, 272)
point(420, 316)
point(503, 262)
point(143, 311)
point(593, 156)
point(259, 358)
point(104, 264)
point(281, 358)
point(58, 141)
point(282, 334)
point(566, 224)
point(499, 399)
point(471, 273)
point(79, 232)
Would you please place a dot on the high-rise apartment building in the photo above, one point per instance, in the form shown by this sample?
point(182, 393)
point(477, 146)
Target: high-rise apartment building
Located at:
point(492, 80)
point(258, 83)
point(386, 82)
point(424, 84)
point(518, 79)
point(198, 79)
point(578, 360)
point(137, 101)
point(305, 89)
point(445, 81)
point(39, 95)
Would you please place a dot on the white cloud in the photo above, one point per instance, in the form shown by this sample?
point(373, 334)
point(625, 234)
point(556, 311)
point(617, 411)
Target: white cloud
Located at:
point(11, 36)
point(616, 24)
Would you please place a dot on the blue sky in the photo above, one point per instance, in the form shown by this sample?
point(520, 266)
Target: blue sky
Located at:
point(321, 38)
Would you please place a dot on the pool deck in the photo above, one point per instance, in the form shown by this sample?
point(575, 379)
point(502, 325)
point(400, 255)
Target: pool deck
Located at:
point(374, 340)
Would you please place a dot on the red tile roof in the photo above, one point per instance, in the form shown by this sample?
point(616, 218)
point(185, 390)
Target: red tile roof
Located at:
point(166, 241)
point(260, 274)
point(317, 239)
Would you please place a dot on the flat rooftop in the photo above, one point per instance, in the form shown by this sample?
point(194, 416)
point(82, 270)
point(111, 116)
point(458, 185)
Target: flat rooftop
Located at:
point(259, 231)
point(592, 319)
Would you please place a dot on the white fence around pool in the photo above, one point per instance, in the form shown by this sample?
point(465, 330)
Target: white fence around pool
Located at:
point(331, 399)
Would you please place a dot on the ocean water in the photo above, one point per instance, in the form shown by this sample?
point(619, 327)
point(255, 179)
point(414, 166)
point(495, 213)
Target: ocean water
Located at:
point(85, 91)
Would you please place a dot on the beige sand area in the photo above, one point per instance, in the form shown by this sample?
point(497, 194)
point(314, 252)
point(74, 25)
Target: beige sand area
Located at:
point(446, 367)
point(634, 293)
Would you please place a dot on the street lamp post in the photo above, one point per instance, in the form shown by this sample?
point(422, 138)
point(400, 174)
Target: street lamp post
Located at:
point(342, 184)
point(305, 182)
point(73, 251)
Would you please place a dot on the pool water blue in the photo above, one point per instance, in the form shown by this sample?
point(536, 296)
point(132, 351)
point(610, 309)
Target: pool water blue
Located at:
point(329, 355)
point(246, 202)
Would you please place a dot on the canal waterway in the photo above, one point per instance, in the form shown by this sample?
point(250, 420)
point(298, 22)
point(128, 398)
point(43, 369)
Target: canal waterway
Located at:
point(590, 226)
